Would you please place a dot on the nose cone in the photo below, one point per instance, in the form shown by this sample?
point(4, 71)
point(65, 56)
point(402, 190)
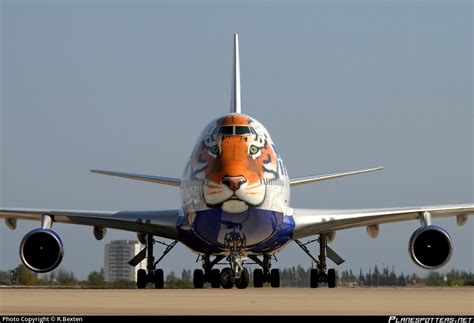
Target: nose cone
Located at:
point(234, 182)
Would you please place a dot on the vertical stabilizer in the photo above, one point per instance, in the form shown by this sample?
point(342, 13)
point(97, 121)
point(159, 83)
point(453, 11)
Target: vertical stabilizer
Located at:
point(235, 99)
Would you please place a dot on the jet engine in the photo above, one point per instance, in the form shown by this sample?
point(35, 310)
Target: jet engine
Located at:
point(430, 247)
point(41, 250)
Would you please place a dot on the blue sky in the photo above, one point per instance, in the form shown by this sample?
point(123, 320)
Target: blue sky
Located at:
point(129, 86)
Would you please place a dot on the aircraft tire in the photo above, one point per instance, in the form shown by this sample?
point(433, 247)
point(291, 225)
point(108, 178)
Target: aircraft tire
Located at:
point(258, 278)
point(158, 279)
point(198, 278)
point(226, 278)
point(141, 278)
point(275, 278)
point(313, 278)
point(215, 278)
point(243, 281)
point(331, 278)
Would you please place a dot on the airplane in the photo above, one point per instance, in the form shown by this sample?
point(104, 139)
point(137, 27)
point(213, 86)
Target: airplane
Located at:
point(236, 208)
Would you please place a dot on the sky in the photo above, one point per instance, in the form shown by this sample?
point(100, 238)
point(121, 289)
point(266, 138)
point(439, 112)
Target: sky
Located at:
point(129, 85)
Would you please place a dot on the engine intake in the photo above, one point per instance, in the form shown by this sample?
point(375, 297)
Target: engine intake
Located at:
point(41, 250)
point(430, 247)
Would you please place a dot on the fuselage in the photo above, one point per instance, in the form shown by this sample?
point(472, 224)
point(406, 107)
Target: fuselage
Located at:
point(235, 191)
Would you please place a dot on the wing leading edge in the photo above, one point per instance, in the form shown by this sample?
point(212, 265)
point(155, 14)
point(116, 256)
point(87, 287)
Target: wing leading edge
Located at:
point(139, 177)
point(323, 177)
point(160, 223)
point(310, 222)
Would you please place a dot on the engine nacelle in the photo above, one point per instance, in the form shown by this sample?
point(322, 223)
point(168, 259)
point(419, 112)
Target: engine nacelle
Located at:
point(430, 247)
point(373, 230)
point(99, 232)
point(41, 250)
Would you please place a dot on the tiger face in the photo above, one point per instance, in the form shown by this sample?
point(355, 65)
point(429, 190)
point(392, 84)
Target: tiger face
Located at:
point(234, 160)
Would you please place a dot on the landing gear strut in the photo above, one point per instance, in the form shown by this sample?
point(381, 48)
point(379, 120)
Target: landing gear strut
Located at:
point(151, 275)
point(319, 274)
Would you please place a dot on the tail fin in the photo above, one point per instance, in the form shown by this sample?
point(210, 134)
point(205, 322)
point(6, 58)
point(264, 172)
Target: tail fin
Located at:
point(235, 99)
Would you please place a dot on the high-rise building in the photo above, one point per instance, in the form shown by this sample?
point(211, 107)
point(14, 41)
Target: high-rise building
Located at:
point(117, 255)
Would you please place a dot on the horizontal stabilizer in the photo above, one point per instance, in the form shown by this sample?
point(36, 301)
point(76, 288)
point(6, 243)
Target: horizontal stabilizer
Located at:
point(146, 178)
point(323, 177)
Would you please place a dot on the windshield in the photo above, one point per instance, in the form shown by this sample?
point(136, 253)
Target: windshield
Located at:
point(234, 130)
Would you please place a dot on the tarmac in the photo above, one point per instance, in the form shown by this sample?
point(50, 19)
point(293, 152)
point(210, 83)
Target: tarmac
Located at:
point(262, 301)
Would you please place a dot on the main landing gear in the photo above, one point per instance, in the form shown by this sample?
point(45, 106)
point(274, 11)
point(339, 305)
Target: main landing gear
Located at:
point(151, 274)
point(207, 274)
point(264, 274)
point(319, 274)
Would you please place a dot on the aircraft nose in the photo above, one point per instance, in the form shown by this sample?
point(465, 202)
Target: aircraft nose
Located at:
point(234, 182)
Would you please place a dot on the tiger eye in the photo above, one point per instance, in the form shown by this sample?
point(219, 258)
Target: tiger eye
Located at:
point(253, 149)
point(214, 149)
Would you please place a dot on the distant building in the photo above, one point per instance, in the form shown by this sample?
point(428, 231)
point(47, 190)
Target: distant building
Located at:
point(117, 255)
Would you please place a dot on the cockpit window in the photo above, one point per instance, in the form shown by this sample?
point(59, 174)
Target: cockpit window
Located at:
point(234, 130)
point(242, 130)
point(226, 130)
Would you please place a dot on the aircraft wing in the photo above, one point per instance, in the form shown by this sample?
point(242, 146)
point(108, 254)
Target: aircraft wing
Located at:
point(160, 223)
point(140, 177)
point(310, 222)
point(324, 177)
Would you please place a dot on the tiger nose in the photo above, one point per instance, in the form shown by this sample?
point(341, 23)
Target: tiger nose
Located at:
point(233, 182)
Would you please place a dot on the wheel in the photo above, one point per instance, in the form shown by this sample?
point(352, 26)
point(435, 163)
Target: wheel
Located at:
point(243, 281)
point(226, 278)
point(331, 278)
point(159, 279)
point(275, 278)
point(198, 278)
point(313, 278)
point(215, 278)
point(141, 278)
point(258, 278)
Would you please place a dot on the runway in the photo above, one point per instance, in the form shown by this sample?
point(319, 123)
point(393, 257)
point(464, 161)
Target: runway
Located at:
point(294, 301)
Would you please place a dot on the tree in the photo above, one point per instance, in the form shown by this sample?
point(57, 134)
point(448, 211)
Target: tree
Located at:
point(401, 280)
point(66, 278)
point(96, 279)
point(376, 276)
point(51, 277)
point(186, 275)
point(24, 276)
point(369, 278)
